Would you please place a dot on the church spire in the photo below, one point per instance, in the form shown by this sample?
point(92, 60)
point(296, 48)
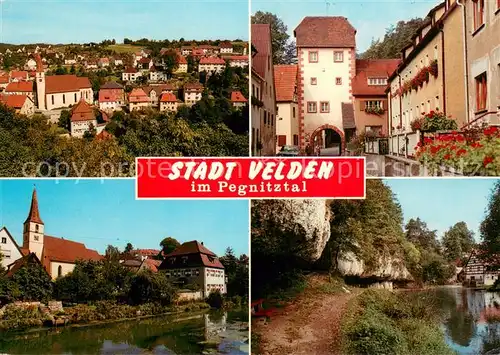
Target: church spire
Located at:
point(34, 215)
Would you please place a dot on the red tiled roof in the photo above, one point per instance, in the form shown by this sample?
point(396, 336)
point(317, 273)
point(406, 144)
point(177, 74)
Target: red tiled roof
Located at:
point(111, 85)
point(193, 86)
point(197, 52)
point(109, 95)
point(325, 32)
point(215, 263)
point(261, 39)
point(181, 59)
point(226, 45)
point(138, 95)
point(19, 263)
point(59, 249)
point(239, 58)
point(191, 247)
point(34, 213)
point(21, 86)
point(152, 264)
point(130, 70)
point(372, 68)
point(212, 60)
point(14, 101)
point(65, 83)
point(104, 135)
point(4, 79)
point(144, 60)
point(285, 82)
point(146, 252)
point(82, 112)
point(168, 97)
point(157, 88)
point(19, 74)
point(237, 96)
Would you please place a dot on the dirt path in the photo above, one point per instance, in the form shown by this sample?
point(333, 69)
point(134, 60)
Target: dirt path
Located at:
point(309, 325)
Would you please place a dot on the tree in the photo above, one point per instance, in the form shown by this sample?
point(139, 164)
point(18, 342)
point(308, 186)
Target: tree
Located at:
point(33, 283)
point(170, 61)
point(395, 39)
point(61, 71)
point(169, 244)
point(457, 241)
point(283, 52)
point(65, 119)
point(128, 248)
point(418, 233)
point(112, 253)
point(147, 287)
point(72, 70)
point(490, 226)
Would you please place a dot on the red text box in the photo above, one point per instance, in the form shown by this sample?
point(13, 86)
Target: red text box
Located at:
point(186, 178)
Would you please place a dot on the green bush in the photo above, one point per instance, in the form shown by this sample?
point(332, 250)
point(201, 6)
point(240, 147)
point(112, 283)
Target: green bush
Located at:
point(215, 299)
point(147, 287)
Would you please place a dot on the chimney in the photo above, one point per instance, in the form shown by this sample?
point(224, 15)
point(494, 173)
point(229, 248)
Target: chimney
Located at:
point(202, 243)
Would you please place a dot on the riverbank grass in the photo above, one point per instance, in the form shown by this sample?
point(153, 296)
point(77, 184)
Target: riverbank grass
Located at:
point(382, 322)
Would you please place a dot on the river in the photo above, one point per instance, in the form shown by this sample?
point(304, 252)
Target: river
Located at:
point(471, 320)
point(201, 333)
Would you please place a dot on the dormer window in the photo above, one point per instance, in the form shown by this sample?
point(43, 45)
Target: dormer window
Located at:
point(377, 81)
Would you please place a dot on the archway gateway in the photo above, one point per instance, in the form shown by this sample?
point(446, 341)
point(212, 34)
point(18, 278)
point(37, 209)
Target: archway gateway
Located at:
point(327, 140)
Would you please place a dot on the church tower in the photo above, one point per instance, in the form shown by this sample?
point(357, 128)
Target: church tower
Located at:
point(33, 232)
point(40, 83)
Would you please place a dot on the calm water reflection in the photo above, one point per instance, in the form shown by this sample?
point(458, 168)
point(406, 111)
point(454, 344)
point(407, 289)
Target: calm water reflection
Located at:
point(472, 320)
point(214, 332)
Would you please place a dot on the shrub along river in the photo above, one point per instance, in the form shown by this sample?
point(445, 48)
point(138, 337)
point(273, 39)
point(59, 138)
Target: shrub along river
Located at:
point(211, 332)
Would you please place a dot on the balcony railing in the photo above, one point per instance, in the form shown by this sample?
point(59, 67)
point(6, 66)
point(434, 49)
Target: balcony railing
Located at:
point(403, 144)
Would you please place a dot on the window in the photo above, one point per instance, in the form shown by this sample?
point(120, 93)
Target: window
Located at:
point(312, 107)
point(314, 81)
point(435, 52)
point(59, 271)
point(75, 97)
point(6, 254)
point(281, 140)
point(481, 92)
point(36, 238)
point(338, 57)
point(64, 99)
point(4, 240)
point(295, 139)
point(265, 117)
point(324, 106)
point(313, 57)
point(478, 13)
point(293, 112)
point(36, 227)
point(52, 99)
point(373, 104)
point(377, 81)
point(338, 81)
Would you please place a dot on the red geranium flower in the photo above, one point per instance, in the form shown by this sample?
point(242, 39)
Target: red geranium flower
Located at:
point(461, 152)
point(487, 160)
point(447, 156)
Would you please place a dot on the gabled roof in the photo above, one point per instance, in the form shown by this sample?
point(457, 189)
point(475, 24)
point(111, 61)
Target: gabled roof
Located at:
point(146, 252)
point(151, 264)
point(63, 250)
point(104, 135)
point(65, 83)
point(261, 40)
point(193, 86)
point(138, 95)
point(325, 32)
point(158, 89)
point(238, 58)
point(372, 68)
point(181, 59)
point(20, 86)
point(191, 247)
point(19, 74)
point(14, 101)
point(237, 96)
point(212, 60)
point(13, 240)
point(226, 44)
point(23, 261)
point(285, 82)
point(82, 111)
point(168, 97)
point(34, 213)
point(111, 85)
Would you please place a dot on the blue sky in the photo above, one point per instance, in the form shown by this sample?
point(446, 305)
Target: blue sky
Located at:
point(369, 17)
point(77, 21)
point(443, 202)
point(102, 212)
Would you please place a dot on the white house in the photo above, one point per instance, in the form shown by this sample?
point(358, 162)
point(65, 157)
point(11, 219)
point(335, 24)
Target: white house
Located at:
point(238, 61)
point(131, 74)
point(30, 64)
point(70, 61)
point(192, 93)
point(8, 248)
point(138, 100)
point(211, 65)
point(226, 47)
point(326, 48)
point(22, 104)
point(182, 65)
point(155, 75)
point(192, 263)
point(118, 61)
point(83, 119)
point(168, 102)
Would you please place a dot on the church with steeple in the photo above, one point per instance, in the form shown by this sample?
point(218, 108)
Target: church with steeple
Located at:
point(57, 255)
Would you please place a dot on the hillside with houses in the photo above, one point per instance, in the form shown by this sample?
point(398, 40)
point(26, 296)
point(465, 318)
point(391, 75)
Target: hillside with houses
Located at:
point(105, 91)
